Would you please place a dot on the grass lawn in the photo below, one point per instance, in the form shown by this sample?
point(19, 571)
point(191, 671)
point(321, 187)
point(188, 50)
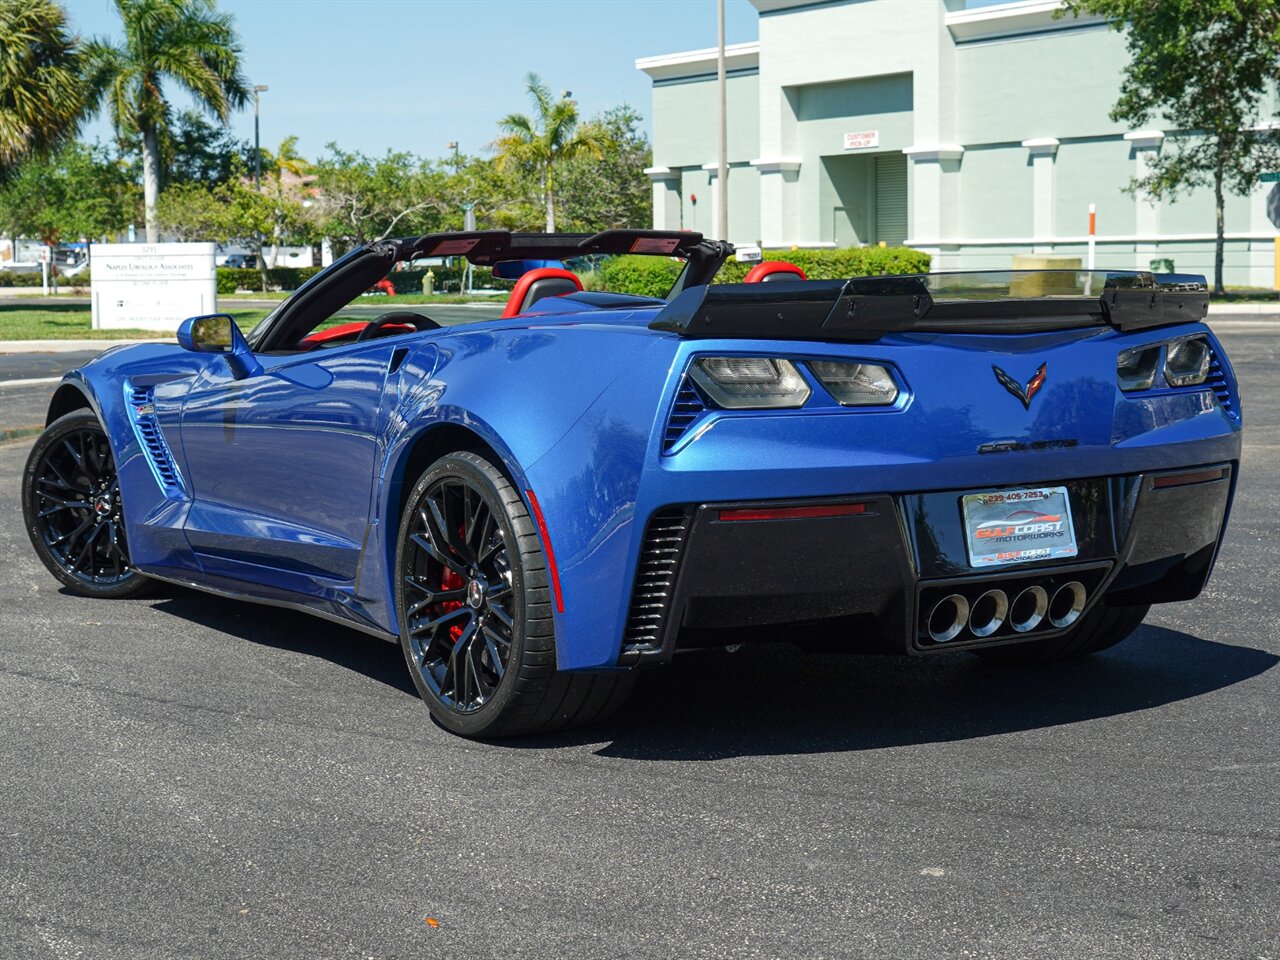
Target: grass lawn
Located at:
point(71, 321)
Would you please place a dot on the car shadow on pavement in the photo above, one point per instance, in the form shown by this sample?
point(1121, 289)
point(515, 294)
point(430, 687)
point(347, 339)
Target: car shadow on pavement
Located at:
point(291, 630)
point(777, 700)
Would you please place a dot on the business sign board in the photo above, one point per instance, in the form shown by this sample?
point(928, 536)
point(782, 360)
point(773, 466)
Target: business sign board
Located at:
point(862, 140)
point(151, 286)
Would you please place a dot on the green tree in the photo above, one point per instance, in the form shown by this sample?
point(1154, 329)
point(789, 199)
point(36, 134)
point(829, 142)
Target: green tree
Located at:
point(1202, 66)
point(362, 198)
point(196, 149)
point(41, 94)
point(228, 212)
point(190, 210)
point(611, 191)
point(82, 191)
point(546, 139)
point(186, 42)
point(284, 171)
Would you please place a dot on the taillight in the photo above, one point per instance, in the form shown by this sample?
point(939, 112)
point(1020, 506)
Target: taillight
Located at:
point(1186, 362)
point(856, 384)
point(1136, 368)
point(738, 383)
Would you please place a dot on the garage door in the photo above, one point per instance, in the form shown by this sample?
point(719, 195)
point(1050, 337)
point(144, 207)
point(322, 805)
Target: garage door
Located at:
point(891, 198)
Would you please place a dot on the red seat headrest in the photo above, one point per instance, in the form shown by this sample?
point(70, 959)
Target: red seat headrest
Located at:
point(539, 283)
point(774, 270)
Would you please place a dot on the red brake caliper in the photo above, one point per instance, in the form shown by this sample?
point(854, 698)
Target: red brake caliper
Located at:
point(451, 580)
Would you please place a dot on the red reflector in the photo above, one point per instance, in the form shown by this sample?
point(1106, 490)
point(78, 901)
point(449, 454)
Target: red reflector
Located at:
point(552, 571)
point(1183, 479)
point(794, 513)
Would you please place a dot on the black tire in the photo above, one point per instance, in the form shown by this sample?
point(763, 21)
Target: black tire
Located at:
point(1103, 627)
point(72, 510)
point(474, 606)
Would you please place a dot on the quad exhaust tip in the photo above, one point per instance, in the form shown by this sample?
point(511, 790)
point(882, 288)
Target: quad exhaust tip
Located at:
point(988, 613)
point(1066, 604)
point(948, 617)
point(1028, 609)
point(1034, 607)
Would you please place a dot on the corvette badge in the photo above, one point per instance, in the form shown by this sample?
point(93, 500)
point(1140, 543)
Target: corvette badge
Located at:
point(1013, 386)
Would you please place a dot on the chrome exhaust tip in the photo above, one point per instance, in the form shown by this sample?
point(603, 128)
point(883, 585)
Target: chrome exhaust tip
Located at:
point(1028, 609)
point(1067, 604)
point(988, 613)
point(947, 618)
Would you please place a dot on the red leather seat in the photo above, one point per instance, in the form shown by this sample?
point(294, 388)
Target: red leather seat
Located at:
point(769, 271)
point(537, 284)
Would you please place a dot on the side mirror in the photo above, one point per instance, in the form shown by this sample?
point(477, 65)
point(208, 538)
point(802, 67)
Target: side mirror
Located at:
point(515, 269)
point(218, 333)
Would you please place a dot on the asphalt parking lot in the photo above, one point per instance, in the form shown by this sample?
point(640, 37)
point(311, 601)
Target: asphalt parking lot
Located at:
point(183, 776)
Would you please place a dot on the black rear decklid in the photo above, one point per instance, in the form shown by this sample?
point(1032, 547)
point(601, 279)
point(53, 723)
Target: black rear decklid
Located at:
point(868, 308)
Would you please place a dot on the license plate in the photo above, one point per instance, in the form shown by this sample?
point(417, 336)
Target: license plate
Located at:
point(1018, 526)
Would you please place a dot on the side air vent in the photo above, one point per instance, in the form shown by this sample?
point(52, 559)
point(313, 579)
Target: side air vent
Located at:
point(689, 406)
point(664, 542)
point(142, 411)
point(1218, 382)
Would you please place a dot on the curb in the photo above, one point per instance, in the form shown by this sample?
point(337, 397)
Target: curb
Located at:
point(65, 346)
point(1245, 309)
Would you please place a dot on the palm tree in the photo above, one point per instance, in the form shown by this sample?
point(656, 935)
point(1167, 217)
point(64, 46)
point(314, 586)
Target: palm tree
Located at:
point(287, 159)
point(187, 42)
point(543, 141)
point(41, 94)
point(284, 161)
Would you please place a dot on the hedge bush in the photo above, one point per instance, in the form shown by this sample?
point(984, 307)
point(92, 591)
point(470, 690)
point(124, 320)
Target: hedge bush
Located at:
point(654, 276)
point(643, 276)
point(838, 264)
point(231, 279)
point(11, 278)
point(448, 278)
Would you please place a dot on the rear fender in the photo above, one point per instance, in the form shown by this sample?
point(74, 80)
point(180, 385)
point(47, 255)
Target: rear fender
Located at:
point(517, 392)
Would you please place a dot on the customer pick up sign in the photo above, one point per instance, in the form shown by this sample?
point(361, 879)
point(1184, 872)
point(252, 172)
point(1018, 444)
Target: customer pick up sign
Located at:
point(862, 139)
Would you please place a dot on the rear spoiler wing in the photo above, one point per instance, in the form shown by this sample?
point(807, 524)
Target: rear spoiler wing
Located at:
point(868, 308)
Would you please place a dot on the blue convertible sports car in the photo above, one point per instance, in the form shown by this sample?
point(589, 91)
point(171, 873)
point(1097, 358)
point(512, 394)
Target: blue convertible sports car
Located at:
point(536, 506)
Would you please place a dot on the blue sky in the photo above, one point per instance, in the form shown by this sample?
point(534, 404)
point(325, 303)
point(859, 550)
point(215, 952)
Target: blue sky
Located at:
point(415, 74)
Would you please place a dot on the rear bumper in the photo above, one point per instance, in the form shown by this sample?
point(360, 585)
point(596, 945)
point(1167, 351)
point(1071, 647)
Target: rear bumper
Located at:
point(723, 572)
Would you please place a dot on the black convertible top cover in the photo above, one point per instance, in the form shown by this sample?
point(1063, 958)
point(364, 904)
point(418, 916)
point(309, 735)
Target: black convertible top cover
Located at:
point(868, 308)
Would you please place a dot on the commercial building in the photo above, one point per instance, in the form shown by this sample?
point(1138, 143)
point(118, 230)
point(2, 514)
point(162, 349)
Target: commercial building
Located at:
point(976, 133)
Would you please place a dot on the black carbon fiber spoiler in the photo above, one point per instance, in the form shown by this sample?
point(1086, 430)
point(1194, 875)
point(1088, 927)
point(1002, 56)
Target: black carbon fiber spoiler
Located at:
point(868, 308)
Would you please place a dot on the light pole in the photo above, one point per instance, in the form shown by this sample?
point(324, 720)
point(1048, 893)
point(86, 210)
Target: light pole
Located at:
point(722, 167)
point(257, 146)
point(457, 161)
point(257, 178)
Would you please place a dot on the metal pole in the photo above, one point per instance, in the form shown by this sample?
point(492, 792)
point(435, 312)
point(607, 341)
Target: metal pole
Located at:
point(722, 184)
point(257, 178)
point(257, 146)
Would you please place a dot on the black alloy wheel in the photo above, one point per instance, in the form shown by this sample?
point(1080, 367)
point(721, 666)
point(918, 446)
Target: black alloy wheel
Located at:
point(474, 604)
point(458, 574)
point(72, 509)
